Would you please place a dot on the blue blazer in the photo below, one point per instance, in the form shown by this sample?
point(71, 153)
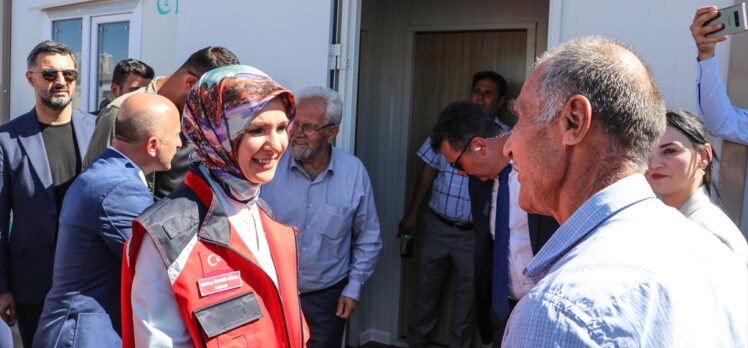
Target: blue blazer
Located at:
point(541, 229)
point(26, 193)
point(83, 307)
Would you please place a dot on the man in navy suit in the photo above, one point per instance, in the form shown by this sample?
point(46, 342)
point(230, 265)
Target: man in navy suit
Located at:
point(83, 307)
point(472, 142)
point(41, 154)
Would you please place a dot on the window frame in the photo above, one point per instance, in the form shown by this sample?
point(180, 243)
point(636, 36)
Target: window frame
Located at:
point(91, 17)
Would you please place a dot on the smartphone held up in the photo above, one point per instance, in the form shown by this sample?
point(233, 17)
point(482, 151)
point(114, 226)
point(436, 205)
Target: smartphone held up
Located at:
point(733, 20)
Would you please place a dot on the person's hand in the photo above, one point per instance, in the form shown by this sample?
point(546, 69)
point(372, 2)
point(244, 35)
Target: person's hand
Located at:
point(699, 30)
point(8, 308)
point(407, 225)
point(346, 307)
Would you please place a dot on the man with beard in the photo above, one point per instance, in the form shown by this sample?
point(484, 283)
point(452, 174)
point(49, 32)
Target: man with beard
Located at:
point(333, 208)
point(41, 153)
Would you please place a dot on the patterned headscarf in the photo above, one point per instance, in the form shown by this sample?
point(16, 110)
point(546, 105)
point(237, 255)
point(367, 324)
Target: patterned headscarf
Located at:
point(218, 108)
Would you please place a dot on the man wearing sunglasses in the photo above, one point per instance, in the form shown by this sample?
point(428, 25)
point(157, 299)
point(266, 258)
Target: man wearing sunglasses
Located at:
point(506, 237)
point(42, 153)
point(333, 207)
point(448, 236)
point(175, 88)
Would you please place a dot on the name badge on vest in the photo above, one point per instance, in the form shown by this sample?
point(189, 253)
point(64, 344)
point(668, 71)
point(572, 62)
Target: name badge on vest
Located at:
point(219, 283)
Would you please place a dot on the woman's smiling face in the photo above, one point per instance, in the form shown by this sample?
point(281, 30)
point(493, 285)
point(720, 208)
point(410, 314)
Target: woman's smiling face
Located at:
point(263, 142)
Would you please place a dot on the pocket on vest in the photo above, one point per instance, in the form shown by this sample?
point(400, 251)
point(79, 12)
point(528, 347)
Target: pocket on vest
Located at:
point(230, 314)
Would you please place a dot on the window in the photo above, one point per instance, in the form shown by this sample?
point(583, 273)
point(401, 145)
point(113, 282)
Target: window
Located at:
point(98, 40)
point(69, 32)
point(111, 46)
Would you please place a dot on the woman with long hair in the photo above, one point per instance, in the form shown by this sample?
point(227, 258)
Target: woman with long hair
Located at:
point(680, 173)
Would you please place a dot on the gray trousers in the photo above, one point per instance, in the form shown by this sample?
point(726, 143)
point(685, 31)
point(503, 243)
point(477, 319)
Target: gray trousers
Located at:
point(445, 248)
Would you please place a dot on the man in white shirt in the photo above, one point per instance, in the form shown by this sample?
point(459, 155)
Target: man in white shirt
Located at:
point(472, 141)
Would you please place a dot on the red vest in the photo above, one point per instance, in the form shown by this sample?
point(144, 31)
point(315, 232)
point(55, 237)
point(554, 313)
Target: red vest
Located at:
point(223, 295)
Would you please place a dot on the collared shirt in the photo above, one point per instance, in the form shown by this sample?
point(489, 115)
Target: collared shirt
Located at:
point(626, 270)
point(246, 222)
point(336, 217)
point(449, 193)
point(140, 171)
point(156, 318)
point(720, 116)
point(520, 247)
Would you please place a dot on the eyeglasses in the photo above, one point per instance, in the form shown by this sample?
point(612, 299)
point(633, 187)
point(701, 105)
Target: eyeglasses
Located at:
point(50, 75)
point(456, 164)
point(309, 130)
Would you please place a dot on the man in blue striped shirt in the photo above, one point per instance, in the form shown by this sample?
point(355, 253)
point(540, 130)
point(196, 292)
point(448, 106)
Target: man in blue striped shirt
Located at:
point(623, 270)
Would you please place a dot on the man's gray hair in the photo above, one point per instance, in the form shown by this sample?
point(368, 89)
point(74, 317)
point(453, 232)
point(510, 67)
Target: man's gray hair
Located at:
point(618, 85)
point(334, 112)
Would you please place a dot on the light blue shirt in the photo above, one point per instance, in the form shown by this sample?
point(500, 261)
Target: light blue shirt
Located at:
point(721, 118)
point(625, 270)
point(449, 193)
point(336, 217)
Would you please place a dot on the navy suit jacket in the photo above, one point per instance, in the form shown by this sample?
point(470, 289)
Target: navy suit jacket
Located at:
point(541, 228)
point(83, 307)
point(27, 194)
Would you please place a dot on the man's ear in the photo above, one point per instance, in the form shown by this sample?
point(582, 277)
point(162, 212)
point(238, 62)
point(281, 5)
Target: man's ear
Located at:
point(575, 119)
point(479, 145)
point(190, 81)
point(115, 89)
point(152, 146)
point(332, 133)
point(30, 78)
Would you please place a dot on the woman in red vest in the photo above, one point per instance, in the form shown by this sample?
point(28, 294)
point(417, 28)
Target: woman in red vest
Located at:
point(208, 266)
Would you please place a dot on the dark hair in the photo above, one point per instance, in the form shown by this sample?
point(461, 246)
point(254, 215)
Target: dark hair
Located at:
point(48, 47)
point(209, 58)
point(493, 76)
point(694, 129)
point(460, 122)
point(129, 66)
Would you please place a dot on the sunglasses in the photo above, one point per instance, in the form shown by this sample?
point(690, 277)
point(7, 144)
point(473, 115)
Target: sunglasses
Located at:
point(456, 164)
point(50, 75)
point(134, 64)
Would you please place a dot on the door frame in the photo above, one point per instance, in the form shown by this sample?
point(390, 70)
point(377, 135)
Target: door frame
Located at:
point(406, 106)
point(410, 37)
point(133, 50)
point(350, 22)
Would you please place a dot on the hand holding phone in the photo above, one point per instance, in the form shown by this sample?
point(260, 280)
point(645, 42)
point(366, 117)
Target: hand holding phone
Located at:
point(733, 20)
point(707, 30)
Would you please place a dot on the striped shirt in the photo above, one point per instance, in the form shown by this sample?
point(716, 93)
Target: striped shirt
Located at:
point(625, 270)
point(449, 192)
